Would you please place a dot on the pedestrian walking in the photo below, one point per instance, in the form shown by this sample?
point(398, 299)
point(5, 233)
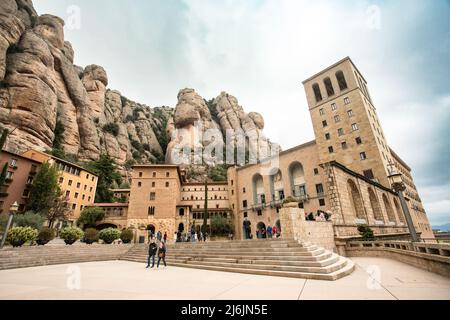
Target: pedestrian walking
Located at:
point(269, 231)
point(161, 254)
point(274, 231)
point(159, 236)
point(165, 236)
point(175, 237)
point(152, 248)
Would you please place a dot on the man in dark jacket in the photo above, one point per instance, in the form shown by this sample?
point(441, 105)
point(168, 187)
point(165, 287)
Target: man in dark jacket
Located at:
point(152, 248)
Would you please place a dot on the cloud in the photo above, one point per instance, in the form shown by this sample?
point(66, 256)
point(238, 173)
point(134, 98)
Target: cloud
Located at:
point(261, 50)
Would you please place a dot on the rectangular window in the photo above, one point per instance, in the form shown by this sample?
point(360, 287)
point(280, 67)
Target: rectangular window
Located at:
point(330, 149)
point(368, 174)
point(139, 184)
point(152, 196)
point(67, 194)
point(259, 212)
point(76, 195)
point(344, 145)
point(151, 211)
point(167, 184)
point(89, 198)
point(245, 214)
point(321, 111)
point(153, 184)
point(358, 140)
point(363, 156)
point(78, 185)
point(61, 180)
point(319, 188)
point(327, 136)
point(70, 182)
point(85, 187)
point(346, 101)
point(83, 197)
point(154, 174)
point(350, 113)
point(140, 174)
point(74, 206)
point(324, 123)
point(355, 127)
point(322, 202)
point(243, 190)
point(340, 132)
point(316, 171)
point(337, 118)
point(333, 107)
point(167, 174)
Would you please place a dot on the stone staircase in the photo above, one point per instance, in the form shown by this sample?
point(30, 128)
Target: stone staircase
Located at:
point(272, 257)
point(11, 258)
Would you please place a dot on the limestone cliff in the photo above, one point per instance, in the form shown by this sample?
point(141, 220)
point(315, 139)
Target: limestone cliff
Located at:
point(47, 102)
point(40, 87)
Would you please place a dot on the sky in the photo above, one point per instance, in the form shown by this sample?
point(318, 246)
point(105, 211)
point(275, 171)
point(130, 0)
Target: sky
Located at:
point(261, 50)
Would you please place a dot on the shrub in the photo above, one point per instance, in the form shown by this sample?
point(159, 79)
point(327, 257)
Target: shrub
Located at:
point(109, 235)
point(221, 226)
point(45, 235)
point(71, 234)
point(136, 155)
point(90, 235)
point(17, 236)
point(29, 219)
point(126, 236)
point(366, 232)
point(90, 216)
point(112, 128)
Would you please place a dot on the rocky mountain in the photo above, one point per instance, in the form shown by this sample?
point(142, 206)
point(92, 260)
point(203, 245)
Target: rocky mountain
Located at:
point(48, 102)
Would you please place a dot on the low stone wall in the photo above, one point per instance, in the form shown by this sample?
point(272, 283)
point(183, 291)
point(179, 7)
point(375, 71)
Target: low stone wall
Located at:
point(431, 257)
point(23, 257)
point(294, 226)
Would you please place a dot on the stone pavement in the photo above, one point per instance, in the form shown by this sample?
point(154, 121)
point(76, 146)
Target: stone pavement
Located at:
point(374, 278)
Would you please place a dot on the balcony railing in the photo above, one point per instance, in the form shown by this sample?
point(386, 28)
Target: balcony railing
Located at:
point(301, 197)
point(258, 206)
point(277, 203)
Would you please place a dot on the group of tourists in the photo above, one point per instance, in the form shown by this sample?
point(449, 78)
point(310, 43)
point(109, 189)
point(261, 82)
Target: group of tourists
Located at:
point(192, 236)
point(270, 232)
point(157, 247)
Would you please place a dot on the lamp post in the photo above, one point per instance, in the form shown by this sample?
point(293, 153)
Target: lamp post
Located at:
point(399, 186)
point(12, 211)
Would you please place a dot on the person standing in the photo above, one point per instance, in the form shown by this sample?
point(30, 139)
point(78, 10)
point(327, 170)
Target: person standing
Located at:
point(165, 236)
point(159, 236)
point(274, 231)
point(152, 248)
point(201, 236)
point(175, 237)
point(162, 254)
point(195, 237)
point(269, 231)
point(205, 236)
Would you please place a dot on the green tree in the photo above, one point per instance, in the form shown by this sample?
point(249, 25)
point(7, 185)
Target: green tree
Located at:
point(221, 226)
point(218, 173)
point(90, 216)
point(106, 170)
point(45, 189)
point(29, 219)
point(205, 213)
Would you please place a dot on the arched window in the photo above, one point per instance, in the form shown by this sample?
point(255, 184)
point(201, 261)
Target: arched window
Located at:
point(375, 205)
point(341, 80)
point(356, 199)
point(258, 190)
point(276, 185)
point(297, 180)
point(317, 92)
point(329, 87)
point(389, 211)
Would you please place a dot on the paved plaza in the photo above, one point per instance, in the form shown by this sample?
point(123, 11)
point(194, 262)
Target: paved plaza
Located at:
point(374, 278)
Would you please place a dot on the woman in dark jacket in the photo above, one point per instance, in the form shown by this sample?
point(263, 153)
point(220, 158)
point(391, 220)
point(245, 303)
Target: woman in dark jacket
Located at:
point(162, 254)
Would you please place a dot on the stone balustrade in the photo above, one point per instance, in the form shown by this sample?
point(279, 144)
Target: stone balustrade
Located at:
point(429, 256)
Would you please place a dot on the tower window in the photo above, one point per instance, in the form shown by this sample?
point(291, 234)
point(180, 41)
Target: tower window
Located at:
point(344, 145)
point(327, 136)
point(358, 140)
point(167, 184)
point(330, 149)
point(340, 132)
point(151, 211)
point(324, 123)
point(139, 184)
point(244, 204)
point(328, 86)
point(333, 107)
point(140, 174)
point(346, 101)
point(322, 202)
point(354, 127)
point(337, 118)
point(316, 171)
point(319, 188)
point(317, 92)
point(341, 80)
point(368, 174)
point(321, 111)
point(152, 196)
point(363, 156)
point(350, 113)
